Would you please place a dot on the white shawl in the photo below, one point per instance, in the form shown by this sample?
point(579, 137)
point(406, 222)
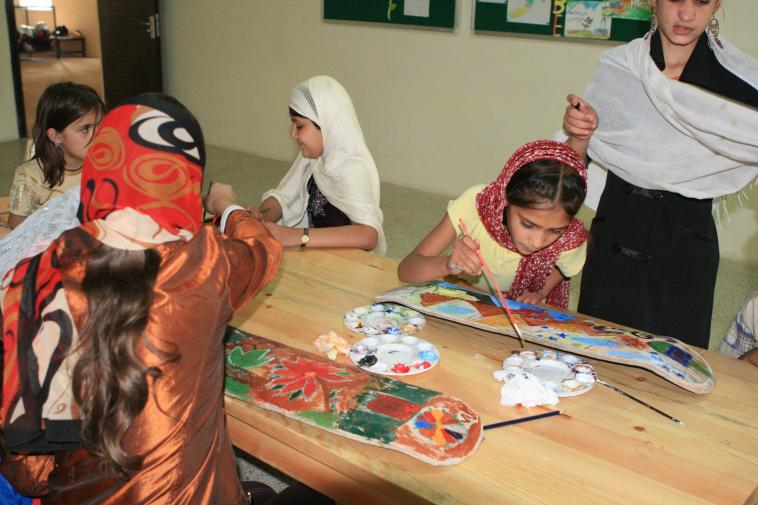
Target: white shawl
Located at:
point(659, 133)
point(345, 173)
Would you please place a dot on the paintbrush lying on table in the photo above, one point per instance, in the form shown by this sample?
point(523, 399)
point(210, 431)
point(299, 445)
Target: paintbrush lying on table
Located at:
point(493, 286)
point(632, 397)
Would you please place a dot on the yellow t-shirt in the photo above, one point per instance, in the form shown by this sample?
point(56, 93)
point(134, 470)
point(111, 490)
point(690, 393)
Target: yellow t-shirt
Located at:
point(502, 261)
point(29, 191)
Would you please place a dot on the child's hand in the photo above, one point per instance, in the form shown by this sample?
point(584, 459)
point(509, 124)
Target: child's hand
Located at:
point(219, 197)
point(579, 123)
point(252, 209)
point(464, 257)
point(530, 297)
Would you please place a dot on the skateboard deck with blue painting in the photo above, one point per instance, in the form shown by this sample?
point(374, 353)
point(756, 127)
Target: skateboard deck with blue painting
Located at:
point(665, 356)
point(343, 399)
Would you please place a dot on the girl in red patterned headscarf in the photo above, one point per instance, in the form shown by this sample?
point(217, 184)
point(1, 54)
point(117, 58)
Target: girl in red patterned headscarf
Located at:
point(523, 225)
point(113, 363)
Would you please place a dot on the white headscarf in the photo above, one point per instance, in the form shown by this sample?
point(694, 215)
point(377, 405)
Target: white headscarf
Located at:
point(345, 173)
point(659, 133)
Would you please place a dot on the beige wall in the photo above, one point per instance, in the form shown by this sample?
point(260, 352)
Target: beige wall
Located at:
point(8, 123)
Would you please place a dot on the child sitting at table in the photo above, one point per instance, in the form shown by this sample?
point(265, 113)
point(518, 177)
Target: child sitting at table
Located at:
point(523, 225)
point(67, 115)
point(330, 196)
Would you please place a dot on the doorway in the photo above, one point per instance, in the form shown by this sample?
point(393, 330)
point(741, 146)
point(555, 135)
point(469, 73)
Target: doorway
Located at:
point(46, 56)
point(112, 46)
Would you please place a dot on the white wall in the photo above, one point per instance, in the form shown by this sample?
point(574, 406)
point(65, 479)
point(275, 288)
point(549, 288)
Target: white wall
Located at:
point(8, 123)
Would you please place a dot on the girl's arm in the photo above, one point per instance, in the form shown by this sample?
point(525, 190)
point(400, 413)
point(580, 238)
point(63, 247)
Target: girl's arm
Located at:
point(358, 236)
point(425, 263)
point(269, 210)
point(553, 279)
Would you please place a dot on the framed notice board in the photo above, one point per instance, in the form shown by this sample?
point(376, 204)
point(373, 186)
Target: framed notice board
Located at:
point(432, 13)
point(621, 20)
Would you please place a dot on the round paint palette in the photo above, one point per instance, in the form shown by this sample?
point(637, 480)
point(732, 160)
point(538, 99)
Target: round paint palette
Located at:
point(394, 354)
point(384, 318)
point(564, 373)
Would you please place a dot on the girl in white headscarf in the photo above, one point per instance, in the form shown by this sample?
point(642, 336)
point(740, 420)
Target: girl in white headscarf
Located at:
point(678, 127)
point(330, 196)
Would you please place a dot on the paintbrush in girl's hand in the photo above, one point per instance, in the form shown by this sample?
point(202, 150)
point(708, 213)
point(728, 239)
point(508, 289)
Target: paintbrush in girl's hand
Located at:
point(493, 285)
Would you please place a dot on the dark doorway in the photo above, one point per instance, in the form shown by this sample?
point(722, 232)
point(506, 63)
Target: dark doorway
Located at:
point(128, 50)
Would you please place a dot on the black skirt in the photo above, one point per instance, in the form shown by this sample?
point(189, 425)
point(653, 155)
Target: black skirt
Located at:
point(652, 262)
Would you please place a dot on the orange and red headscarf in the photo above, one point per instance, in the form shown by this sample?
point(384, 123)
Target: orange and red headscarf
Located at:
point(490, 205)
point(148, 154)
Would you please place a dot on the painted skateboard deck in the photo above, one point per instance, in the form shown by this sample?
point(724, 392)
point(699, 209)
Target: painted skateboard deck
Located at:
point(343, 399)
point(665, 356)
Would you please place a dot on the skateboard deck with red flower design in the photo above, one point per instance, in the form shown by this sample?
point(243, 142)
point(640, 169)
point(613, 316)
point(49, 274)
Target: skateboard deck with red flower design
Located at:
point(343, 399)
point(665, 356)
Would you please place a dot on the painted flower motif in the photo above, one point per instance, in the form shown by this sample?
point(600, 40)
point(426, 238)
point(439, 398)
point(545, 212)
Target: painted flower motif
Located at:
point(303, 377)
point(434, 424)
point(632, 341)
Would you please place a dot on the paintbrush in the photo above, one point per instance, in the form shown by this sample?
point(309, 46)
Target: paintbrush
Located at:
point(493, 285)
point(523, 419)
point(654, 409)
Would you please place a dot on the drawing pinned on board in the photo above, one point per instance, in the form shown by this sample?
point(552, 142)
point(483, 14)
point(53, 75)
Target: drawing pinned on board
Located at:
point(418, 8)
point(585, 19)
point(533, 12)
point(628, 9)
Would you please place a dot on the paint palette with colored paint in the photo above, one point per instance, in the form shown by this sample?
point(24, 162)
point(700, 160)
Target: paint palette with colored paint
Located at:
point(564, 373)
point(394, 354)
point(384, 318)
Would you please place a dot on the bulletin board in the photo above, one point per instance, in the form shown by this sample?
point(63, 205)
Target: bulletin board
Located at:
point(620, 20)
point(431, 13)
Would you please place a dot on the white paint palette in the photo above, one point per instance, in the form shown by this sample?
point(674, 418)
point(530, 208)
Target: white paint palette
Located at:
point(384, 318)
point(394, 354)
point(564, 373)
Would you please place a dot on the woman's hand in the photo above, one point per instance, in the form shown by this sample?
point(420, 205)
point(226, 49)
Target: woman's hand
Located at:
point(219, 197)
point(579, 123)
point(464, 257)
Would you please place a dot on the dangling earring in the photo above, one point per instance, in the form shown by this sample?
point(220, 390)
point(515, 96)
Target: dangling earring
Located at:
point(58, 145)
point(713, 28)
point(653, 26)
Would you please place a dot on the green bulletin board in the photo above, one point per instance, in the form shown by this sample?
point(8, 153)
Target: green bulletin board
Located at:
point(621, 20)
point(432, 13)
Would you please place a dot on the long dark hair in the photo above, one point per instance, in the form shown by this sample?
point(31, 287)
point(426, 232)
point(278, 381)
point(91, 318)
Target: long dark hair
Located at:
point(547, 181)
point(110, 381)
point(60, 105)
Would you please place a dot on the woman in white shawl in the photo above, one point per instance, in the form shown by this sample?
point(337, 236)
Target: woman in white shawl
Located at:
point(330, 196)
point(678, 127)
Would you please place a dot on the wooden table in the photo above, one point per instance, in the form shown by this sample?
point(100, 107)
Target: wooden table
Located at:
point(608, 449)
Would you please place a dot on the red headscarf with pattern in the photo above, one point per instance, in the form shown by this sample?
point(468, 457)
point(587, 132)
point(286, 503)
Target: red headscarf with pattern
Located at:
point(490, 205)
point(148, 155)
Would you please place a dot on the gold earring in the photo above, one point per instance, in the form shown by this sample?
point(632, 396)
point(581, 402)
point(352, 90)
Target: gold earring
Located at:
point(713, 28)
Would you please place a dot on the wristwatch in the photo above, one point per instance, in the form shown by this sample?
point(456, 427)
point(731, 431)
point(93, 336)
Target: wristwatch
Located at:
point(305, 238)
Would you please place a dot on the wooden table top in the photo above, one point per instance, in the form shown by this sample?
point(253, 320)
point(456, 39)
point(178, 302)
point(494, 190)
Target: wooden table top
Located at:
point(608, 449)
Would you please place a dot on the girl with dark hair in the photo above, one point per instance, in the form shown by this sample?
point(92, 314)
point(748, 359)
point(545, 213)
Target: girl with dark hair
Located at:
point(522, 224)
point(112, 337)
point(67, 115)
